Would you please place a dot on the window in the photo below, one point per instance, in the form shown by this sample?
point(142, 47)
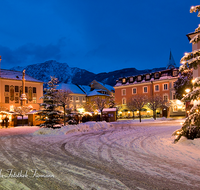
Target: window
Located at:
point(71, 98)
point(84, 99)
point(123, 80)
point(77, 99)
point(175, 108)
point(165, 98)
point(139, 78)
point(6, 99)
point(6, 88)
point(175, 73)
point(34, 100)
point(173, 95)
point(156, 88)
point(145, 89)
point(123, 92)
point(147, 77)
point(123, 100)
point(134, 91)
point(165, 86)
point(16, 88)
point(16, 100)
point(131, 79)
point(34, 89)
point(26, 89)
point(156, 75)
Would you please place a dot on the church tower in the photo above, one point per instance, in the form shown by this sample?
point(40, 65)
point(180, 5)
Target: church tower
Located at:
point(171, 63)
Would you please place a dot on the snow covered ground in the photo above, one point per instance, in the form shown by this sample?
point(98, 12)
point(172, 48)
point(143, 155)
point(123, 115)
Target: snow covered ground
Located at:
point(125, 154)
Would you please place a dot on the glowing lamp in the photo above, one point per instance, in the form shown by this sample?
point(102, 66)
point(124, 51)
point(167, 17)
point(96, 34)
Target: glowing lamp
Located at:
point(187, 90)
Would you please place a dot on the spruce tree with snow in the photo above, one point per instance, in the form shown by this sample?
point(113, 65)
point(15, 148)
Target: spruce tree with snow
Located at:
point(183, 82)
point(191, 126)
point(49, 114)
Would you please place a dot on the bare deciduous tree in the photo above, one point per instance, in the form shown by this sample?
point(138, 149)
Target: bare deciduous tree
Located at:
point(62, 98)
point(89, 107)
point(155, 102)
point(100, 104)
point(137, 103)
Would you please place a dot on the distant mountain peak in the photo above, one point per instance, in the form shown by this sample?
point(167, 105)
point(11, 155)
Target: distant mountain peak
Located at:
point(75, 75)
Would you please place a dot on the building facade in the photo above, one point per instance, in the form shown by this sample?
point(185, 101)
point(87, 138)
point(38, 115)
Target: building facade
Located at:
point(78, 96)
point(149, 84)
point(11, 90)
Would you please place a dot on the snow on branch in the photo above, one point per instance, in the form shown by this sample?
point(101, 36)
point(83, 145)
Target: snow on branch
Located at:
point(196, 38)
point(189, 56)
point(195, 9)
point(192, 95)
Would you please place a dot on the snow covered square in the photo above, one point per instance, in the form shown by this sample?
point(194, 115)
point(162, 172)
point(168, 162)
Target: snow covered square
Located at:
point(125, 154)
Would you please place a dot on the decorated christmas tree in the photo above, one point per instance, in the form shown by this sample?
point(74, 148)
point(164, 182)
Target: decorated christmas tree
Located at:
point(191, 126)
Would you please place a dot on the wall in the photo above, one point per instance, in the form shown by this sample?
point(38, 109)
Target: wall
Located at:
point(10, 82)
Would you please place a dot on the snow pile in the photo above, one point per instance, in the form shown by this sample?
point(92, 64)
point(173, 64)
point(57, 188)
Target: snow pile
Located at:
point(83, 127)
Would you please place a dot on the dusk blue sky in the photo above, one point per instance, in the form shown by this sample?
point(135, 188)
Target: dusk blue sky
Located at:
point(97, 35)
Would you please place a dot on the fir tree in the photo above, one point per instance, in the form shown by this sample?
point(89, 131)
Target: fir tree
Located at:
point(183, 82)
point(49, 114)
point(191, 126)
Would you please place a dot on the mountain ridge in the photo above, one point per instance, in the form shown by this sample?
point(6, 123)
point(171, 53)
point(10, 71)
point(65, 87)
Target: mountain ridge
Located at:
point(67, 74)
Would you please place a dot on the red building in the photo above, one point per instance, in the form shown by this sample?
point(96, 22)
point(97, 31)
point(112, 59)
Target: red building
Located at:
point(150, 84)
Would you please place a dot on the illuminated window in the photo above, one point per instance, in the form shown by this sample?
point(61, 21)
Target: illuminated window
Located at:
point(165, 98)
point(123, 100)
point(71, 98)
point(34, 100)
point(77, 99)
point(175, 108)
point(84, 99)
point(124, 80)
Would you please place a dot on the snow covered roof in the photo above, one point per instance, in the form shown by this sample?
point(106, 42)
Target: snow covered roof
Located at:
point(85, 88)
point(96, 93)
point(110, 109)
point(107, 86)
point(16, 75)
point(72, 87)
point(155, 76)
